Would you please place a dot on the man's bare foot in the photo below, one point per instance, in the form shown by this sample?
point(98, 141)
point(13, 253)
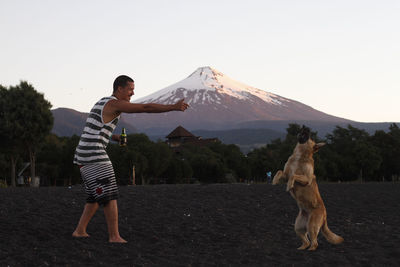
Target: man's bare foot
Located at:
point(77, 234)
point(117, 240)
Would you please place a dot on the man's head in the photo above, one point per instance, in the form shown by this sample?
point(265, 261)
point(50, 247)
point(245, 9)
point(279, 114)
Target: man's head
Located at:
point(123, 87)
point(121, 81)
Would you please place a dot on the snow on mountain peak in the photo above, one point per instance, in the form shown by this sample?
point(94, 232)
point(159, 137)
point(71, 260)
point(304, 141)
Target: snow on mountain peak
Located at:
point(208, 84)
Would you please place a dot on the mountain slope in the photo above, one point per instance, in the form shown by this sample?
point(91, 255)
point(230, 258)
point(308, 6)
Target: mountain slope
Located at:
point(219, 102)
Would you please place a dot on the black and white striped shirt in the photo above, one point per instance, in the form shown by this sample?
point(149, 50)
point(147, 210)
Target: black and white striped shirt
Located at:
point(95, 137)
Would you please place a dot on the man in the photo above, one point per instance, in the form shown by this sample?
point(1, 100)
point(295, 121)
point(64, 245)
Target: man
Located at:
point(95, 166)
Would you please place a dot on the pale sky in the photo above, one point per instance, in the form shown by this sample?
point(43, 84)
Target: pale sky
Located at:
point(340, 57)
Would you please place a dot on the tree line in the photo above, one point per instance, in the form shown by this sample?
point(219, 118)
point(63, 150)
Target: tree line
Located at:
point(26, 121)
point(350, 154)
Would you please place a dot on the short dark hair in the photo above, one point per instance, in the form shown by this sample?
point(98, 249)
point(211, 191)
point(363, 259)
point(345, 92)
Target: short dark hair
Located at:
point(121, 81)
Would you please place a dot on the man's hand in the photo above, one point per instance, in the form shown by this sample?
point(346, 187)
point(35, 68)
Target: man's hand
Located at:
point(180, 105)
point(116, 137)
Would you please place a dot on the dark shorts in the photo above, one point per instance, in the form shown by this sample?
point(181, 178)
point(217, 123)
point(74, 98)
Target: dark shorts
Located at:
point(99, 182)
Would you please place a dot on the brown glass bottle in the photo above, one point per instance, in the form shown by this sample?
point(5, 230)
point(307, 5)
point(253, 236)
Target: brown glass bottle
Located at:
point(123, 138)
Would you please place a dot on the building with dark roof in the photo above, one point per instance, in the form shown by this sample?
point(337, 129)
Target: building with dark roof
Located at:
point(180, 136)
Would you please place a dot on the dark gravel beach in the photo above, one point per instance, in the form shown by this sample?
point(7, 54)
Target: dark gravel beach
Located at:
point(199, 225)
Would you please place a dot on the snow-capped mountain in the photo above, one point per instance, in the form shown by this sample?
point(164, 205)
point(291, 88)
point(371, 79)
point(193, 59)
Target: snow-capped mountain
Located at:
point(208, 86)
point(219, 102)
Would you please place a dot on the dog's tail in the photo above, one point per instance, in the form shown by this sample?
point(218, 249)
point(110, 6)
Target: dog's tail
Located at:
point(330, 236)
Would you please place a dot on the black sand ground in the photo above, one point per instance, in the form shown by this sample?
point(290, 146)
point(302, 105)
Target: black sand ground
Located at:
point(199, 225)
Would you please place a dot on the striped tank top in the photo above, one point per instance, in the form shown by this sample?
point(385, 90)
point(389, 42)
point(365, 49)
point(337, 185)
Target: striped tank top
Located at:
point(92, 145)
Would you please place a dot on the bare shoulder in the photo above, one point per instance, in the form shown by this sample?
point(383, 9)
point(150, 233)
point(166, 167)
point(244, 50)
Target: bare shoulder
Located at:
point(110, 110)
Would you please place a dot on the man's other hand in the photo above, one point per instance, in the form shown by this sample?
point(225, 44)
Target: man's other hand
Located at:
point(181, 106)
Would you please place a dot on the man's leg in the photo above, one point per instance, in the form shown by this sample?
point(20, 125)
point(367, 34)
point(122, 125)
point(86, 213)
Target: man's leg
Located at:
point(87, 214)
point(111, 214)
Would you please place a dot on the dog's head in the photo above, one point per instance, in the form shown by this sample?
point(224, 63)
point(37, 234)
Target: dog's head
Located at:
point(304, 138)
point(303, 135)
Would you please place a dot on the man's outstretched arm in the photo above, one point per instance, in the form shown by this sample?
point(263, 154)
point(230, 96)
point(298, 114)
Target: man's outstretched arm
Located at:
point(119, 106)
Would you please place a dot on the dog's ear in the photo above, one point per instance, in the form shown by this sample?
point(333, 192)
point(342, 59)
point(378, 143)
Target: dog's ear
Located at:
point(317, 147)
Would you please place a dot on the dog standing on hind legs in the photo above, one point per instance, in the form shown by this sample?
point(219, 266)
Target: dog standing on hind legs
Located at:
point(302, 185)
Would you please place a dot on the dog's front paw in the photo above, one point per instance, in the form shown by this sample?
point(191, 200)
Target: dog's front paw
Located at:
point(310, 180)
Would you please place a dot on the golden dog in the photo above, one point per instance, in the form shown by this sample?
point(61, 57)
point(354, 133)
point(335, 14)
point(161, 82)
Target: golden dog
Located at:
point(302, 185)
